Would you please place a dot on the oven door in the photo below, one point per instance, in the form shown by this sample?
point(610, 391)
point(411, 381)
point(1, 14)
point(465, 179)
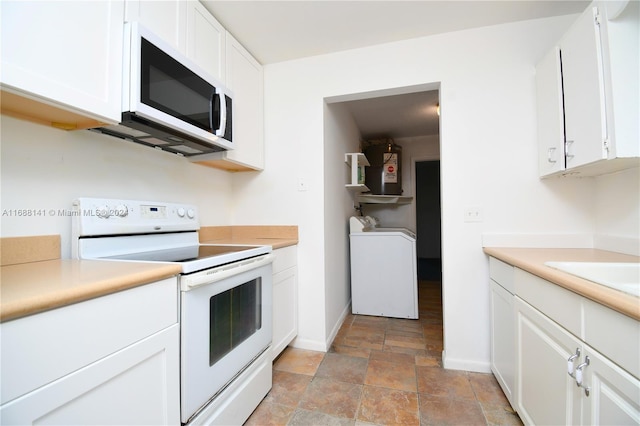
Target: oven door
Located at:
point(225, 324)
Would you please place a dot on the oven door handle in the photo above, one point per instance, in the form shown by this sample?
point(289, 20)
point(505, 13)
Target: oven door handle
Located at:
point(217, 274)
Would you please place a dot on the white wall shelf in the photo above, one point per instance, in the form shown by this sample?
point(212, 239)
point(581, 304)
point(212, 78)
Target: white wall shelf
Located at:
point(357, 162)
point(383, 199)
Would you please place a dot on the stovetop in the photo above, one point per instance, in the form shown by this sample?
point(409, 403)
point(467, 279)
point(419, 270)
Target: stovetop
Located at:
point(183, 254)
point(148, 231)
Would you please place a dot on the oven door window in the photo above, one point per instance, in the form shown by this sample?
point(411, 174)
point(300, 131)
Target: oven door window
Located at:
point(234, 316)
point(172, 88)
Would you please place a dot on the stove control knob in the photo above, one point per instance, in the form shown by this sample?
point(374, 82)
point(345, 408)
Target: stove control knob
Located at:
point(121, 210)
point(181, 211)
point(191, 213)
point(103, 212)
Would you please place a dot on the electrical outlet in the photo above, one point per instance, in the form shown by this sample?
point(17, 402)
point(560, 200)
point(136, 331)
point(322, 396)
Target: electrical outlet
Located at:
point(303, 184)
point(473, 214)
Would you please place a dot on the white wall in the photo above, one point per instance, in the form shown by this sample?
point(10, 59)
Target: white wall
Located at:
point(46, 169)
point(617, 212)
point(488, 158)
point(341, 135)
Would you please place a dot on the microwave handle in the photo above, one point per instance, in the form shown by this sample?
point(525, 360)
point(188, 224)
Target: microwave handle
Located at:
point(223, 114)
point(214, 122)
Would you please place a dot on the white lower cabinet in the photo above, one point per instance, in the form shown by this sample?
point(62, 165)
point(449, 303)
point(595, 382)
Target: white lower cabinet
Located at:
point(614, 395)
point(546, 394)
point(552, 341)
point(112, 360)
point(285, 298)
point(503, 349)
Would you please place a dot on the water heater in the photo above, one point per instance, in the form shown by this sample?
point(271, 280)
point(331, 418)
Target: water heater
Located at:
point(384, 174)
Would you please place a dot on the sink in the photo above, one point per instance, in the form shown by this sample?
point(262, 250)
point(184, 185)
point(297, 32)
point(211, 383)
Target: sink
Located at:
point(620, 276)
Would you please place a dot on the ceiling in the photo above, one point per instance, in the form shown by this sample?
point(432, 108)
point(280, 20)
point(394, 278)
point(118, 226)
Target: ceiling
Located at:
point(276, 31)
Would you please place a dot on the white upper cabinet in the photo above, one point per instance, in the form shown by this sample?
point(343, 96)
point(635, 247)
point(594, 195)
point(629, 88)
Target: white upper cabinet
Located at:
point(245, 79)
point(585, 109)
point(550, 112)
point(205, 40)
point(587, 94)
point(166, 19)
point(62, 57)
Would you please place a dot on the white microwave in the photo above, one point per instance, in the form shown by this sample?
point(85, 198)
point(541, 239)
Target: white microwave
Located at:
point(168, 102)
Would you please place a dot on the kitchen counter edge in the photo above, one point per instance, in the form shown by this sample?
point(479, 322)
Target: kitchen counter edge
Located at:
point(35, 287)
point(532, 260)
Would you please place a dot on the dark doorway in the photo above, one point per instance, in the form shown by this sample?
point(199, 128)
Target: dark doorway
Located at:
point(428, 222)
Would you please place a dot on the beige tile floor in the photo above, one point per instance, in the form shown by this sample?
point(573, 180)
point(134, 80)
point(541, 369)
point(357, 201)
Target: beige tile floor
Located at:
point(382, 371)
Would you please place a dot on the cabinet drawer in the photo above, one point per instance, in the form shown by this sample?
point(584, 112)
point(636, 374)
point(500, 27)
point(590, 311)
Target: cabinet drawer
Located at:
point(41, 348)
point(613, 334)
point(502, 273)
point(559, 304)
point(286, 257)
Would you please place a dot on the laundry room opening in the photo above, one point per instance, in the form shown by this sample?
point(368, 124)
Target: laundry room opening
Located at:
point(406, 119)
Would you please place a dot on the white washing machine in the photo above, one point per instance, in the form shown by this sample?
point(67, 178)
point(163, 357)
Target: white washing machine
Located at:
point(384, 278)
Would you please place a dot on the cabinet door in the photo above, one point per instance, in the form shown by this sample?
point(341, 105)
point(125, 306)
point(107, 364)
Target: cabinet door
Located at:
point(285, 309)
point(545, 393)
point(550, 111)
point(614, 395)
point(503, 345)
point(584, 96)
point(245, 79)
point(205, 40)
point(136, 385)
point(65, 53)
point(165, 18)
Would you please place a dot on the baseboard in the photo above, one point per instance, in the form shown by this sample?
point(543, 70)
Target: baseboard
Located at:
point(465, 364)
point(310, 345)
point(338, 324)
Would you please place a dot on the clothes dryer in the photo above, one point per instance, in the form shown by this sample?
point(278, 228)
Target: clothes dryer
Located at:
point(384, 278)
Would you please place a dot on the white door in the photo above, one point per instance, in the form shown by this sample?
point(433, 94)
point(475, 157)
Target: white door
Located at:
point(584, 99)
point(550, 111)
point(136, 385)
point(546, 394)
point(614, 395)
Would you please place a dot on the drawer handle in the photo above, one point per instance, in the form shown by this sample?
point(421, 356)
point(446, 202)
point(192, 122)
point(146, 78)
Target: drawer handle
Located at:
point(570, 364)
point(579, 376)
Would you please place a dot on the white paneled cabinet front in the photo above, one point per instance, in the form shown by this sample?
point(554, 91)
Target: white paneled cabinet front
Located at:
point(587, 94)
point(205, 40)
point(546, 394)
point(503, 335)
point(244, 76)
point(165, 18)
point(65, 53)
point(285, 298)
point(575, 363)
point(584, 92)
point(111, 360)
